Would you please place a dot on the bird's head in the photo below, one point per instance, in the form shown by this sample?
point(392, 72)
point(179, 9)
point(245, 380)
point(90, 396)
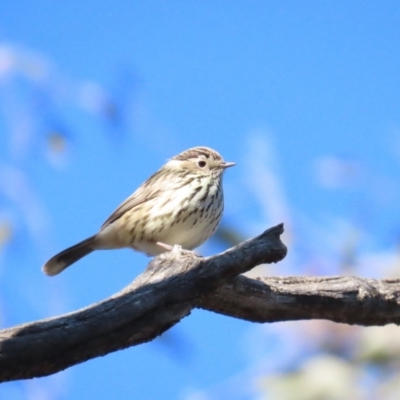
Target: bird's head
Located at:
point(201, 160)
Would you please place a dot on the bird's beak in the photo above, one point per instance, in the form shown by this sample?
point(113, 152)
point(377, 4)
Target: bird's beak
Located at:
point(227, 164)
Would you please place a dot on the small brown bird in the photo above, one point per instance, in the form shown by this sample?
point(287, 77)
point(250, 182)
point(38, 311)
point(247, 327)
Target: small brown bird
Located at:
point(181, 204)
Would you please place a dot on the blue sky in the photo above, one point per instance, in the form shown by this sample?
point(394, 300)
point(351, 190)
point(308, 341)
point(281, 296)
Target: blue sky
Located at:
point(303, 95)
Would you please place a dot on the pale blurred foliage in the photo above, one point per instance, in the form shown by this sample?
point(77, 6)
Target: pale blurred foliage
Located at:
point(368, 368)
point(6, 233)
point(35, 103)
point(345, 363)
point(321, 377)
point(335, 172)
point(36, 100)
point(379, 346)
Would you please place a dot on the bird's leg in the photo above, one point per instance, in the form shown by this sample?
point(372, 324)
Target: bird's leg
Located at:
point(175, 247)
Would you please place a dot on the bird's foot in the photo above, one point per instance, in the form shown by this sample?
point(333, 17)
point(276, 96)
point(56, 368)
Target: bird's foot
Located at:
point(176, 248)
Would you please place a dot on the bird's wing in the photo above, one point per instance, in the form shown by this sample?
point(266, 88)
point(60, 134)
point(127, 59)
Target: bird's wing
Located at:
point(149, 190)
point(131, 202)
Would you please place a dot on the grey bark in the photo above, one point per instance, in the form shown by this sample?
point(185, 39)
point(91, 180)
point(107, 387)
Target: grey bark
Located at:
point(346, 299)
point(176, 282)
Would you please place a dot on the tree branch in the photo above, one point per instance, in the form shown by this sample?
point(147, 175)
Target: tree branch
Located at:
point(349, 300)
point(176, 282)
point(156, 300)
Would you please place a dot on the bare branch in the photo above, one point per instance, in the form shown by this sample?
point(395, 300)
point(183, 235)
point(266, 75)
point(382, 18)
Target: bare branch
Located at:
point(349, 300)
point(176, 282)
point(155, 301)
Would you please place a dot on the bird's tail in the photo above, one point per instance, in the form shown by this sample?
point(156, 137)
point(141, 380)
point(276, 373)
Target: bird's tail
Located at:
point(68, 256)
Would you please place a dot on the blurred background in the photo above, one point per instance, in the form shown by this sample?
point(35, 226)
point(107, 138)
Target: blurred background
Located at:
point(303, 95)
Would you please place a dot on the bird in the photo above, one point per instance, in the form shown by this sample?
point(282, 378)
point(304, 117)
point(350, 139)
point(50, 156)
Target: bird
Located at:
point(179, 205)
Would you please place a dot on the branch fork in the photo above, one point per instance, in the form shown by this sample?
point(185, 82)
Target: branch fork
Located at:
point(176, 282)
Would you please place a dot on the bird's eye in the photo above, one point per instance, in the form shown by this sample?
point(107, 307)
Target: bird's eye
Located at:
point(201, 163)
